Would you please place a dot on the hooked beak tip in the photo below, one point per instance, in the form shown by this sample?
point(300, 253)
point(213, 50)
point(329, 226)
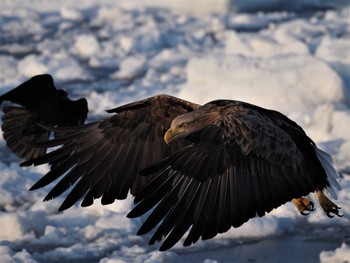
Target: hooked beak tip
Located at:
point(168, 136)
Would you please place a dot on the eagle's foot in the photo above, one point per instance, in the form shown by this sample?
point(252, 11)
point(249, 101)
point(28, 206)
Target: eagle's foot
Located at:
point(330, 208)
point(304, 206)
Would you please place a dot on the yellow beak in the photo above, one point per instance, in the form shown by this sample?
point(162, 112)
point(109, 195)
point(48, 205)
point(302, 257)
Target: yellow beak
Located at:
point(168, 136)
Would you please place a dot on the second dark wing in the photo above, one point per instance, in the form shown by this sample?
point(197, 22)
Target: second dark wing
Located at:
point(42, 104)
point(247, 163)
point(31, 93)
point(19, 124)
point(102, 159)
point(16, 122)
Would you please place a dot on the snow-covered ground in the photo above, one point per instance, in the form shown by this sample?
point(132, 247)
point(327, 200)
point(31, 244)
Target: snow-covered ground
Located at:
point(295, 59)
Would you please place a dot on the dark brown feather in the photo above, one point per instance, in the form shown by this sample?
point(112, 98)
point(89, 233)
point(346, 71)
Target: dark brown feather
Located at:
point(255, 160)
point(233, 161)
point(42, 104)
point(102, 159)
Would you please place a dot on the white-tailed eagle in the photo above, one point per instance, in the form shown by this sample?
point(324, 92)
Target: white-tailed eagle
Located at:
point(201, 169)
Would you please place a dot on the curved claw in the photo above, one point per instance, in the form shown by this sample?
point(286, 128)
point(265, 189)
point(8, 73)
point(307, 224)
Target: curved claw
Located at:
point(329, 215)
point(307, 210)
point(304, 206)
point(330, 208)
point(312, 207)
point(304, 213)
point(335, 212)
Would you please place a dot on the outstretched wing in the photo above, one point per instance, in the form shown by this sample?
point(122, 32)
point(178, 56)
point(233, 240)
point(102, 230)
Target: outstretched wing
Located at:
point(69, 113)
point(103, 158)
point(245, 164)
point(16, 124)
point(31, 93)
point(42, 104)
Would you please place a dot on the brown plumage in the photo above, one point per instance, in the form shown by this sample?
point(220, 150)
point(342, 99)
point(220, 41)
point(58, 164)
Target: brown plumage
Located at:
point(41, 103)
point(241, 161)
point(226, 162)
point(105, 156)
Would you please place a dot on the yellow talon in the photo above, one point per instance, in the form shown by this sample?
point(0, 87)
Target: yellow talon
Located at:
point(327, 205)
point(303, 205)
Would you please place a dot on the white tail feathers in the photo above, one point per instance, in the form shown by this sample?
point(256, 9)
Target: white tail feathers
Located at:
point(332, 175)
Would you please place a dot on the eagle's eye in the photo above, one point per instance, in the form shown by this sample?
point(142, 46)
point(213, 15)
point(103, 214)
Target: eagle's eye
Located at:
point(182, 126)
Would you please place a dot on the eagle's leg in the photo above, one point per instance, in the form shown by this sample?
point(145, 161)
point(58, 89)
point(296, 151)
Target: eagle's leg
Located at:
point(327, 205)
point(304, 206)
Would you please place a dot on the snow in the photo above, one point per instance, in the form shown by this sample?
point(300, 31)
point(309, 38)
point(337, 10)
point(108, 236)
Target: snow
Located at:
point(131, 68)
point(86, 45)
point(31, 66)
point(297, 5)
point(279, 56)
point(341, 254)
point(282, 75)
